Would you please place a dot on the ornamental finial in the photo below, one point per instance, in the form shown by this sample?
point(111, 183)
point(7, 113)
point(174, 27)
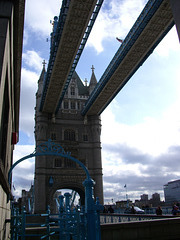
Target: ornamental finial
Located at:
point(44, 64)
point(92, 68)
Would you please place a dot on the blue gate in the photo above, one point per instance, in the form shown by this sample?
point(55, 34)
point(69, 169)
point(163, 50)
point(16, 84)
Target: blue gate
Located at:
point(81, 224)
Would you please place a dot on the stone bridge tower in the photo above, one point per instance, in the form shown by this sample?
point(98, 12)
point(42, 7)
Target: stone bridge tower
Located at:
point(76, 134)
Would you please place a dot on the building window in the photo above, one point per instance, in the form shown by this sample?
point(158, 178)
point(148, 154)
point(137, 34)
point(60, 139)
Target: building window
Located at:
point(58, 162)
point(72, 91)
point(66, 105)
point(68, 163)
point(69, 135)
point(73, 105)
point(85, 137)
point(53, 136)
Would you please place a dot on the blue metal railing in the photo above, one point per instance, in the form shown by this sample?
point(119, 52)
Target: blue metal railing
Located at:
point(141, 22)
point(67, 224)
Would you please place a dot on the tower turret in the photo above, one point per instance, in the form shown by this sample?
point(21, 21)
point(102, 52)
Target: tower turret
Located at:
point(93, 81)
point(40, 84)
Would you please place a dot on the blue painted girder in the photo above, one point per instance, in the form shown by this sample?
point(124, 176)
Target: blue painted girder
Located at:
point(152, 25)
point(78, 18)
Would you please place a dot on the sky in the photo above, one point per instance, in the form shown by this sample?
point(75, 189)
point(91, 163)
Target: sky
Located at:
point(141, 126)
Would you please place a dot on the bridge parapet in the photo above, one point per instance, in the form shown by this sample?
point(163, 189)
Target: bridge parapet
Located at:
point(161, 229)
point(108, 218)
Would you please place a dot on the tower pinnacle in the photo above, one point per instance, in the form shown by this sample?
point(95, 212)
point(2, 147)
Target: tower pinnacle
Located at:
point(86, 81)
point(44, 64)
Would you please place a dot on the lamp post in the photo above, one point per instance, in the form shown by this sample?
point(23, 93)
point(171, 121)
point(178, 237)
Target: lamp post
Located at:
point(127, 204)
point(51, 181)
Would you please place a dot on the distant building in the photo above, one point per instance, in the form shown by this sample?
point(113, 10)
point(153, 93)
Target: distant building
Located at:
point(27, 200)
point(144, 197)
point(155, 200)
point(123, 204)
point(56, 199)
point(172, 192)
point(144, 200)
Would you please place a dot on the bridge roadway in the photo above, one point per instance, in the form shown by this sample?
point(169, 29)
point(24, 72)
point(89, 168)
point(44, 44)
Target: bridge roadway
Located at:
point(74, 34)
point(151, 26)
point(153, 228)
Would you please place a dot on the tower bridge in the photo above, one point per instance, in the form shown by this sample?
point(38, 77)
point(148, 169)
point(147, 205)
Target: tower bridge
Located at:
point(68, 111)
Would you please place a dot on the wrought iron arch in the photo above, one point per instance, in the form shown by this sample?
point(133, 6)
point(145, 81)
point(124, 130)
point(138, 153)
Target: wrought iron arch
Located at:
point(46, 149)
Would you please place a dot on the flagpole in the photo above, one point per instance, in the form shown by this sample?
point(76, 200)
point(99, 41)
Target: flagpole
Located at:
point(125, 186)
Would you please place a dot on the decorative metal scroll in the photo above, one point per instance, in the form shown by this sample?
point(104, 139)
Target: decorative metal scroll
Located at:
point(49, 148)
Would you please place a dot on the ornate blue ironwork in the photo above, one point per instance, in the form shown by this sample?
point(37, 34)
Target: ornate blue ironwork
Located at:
point(48, 148)
point(69, 223)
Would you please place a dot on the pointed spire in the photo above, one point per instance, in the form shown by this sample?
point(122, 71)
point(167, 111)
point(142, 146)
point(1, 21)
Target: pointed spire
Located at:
point(93, 81)
point(44, 64)
point(41, 78)
point(86, 81)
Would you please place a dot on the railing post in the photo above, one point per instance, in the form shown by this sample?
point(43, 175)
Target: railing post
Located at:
point(67, 202)
point(68, 215)
point(23, 224)
point(14, 223)
point(90, 209)
point(83, 224)
point(61, 212)
point(47, 223)
point(99, 207)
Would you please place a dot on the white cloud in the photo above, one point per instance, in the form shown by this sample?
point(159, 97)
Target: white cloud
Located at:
point(149, 136)
point(27, 101)
point(23, 173)
point(169, 44)
point(21, 151)
point(32, 60)
point(136, 154)
point(39, 13)
point(114, 20)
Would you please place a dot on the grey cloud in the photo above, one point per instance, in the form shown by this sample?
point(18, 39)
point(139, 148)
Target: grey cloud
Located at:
point(127, 154)
point(155, 171)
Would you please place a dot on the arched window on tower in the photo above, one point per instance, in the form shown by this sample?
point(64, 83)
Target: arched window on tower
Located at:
point(73, 105)
point(72, 91)
point(58, 162)
point(53, 136)
point(69, 135)
point(66, 105)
